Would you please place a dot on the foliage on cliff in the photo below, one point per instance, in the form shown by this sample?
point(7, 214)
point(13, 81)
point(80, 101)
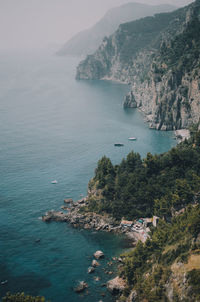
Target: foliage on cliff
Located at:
point(21, 297)
point(168, 264)
point(181, 54)
point(157, 184)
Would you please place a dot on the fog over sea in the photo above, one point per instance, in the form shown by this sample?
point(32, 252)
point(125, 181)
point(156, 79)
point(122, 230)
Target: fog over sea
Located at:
point(56, 128)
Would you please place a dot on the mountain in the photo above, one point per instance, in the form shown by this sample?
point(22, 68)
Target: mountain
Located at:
point(87, 41)
point(160, 58)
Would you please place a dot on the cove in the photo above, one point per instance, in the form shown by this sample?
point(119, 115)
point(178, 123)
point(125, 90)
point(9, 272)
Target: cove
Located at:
point(54, 127)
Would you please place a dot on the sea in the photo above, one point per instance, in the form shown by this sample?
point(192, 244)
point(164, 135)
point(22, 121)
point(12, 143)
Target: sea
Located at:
point(53, 127)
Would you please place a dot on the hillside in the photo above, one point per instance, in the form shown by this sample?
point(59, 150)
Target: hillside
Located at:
point(167, 266)
point(87, 41)
point(160, 58)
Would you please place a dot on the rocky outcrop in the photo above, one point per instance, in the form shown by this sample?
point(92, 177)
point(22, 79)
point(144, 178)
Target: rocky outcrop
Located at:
point(159, 57)
point(83, 220)
point(130, 101)
point(99, 255)
point(95, 263)
point(116, 285)
point(54, 216)
point(78, 218)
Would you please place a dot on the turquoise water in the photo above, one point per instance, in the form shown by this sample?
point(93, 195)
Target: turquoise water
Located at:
point(54, 127)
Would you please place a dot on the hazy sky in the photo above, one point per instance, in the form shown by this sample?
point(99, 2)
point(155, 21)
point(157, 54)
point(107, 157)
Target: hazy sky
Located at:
point(41, 23)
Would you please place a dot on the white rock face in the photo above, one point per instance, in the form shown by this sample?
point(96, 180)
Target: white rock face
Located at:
point(95, 263)
point(169, 98)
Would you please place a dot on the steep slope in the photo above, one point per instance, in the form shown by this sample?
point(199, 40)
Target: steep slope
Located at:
point(160, 58)
point(166, 267)
point(87, 41)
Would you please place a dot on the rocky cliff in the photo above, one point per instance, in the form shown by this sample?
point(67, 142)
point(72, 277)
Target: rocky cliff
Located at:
point(160, 58)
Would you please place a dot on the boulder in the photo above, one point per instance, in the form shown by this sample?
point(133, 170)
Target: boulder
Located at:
point(69, 200)
point(95, 263)
point(91, 269)
point(116, 285)
point(99, 255)
point(81, 287)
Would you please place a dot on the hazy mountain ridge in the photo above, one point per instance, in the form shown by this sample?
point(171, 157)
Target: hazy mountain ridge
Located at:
point(87, 41)
point(152, 54)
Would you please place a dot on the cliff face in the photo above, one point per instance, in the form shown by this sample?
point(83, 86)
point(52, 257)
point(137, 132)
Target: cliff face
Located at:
point(160, 58)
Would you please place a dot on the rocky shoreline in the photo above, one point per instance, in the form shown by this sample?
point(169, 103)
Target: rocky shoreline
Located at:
point(89, 220)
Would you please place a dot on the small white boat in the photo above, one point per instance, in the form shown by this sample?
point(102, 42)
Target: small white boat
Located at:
point(132, 138)
point(54, 182)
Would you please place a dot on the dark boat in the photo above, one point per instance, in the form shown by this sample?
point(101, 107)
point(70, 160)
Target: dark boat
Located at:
point(118, 145)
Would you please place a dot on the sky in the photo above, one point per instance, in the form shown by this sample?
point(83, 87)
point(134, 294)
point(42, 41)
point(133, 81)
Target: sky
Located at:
point(36, 24)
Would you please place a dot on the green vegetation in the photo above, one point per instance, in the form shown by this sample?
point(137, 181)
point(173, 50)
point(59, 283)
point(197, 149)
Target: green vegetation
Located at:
point(162, 185)
point(137, 35)
point(158, 184)
point(148, 268)
point(21, 297)
point(194, 281)
point(182, 54)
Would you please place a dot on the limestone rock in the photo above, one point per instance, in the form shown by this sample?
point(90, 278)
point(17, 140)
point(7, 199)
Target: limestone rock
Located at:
point(95, 263)
point(116, 285)
point(99, 255)
point(130, 101)
point(91, 270)
point(169, 96)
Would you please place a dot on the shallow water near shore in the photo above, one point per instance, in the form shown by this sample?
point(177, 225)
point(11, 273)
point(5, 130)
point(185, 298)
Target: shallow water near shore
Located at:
point(56, 128)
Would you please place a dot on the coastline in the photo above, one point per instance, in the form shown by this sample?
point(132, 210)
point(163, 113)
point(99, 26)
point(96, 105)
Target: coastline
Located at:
point(91, 221)
point(73, 215)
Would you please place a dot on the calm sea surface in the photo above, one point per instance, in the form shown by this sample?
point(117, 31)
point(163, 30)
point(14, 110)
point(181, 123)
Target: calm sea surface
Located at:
point(54, 127)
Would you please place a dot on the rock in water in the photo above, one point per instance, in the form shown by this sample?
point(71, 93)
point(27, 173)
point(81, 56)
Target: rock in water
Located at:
point(99, 255)
point(130, 101)
point(69, 200)
point(116, 285)
point(81, 287)
point(91, 270)
point(95, 263)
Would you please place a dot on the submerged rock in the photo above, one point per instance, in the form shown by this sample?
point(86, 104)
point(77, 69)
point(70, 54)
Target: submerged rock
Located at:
point(81, 287)
point(99, 255)
point(69, 200)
